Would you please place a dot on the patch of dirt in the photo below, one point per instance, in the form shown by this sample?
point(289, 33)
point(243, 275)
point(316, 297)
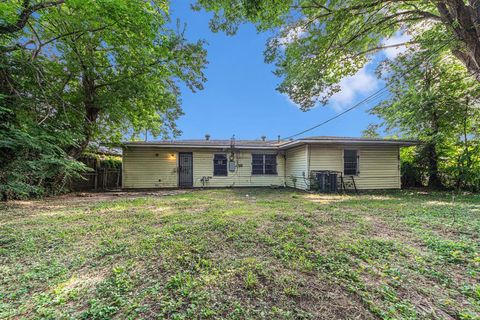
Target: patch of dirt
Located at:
point(318, 296)
point(79, 198)
point(325, 198)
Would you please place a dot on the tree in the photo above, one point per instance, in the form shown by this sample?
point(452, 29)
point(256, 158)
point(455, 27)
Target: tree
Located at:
point(78, 71)
point(316, 43)
point(437, 103)
point(371, 131)
point(119, 64)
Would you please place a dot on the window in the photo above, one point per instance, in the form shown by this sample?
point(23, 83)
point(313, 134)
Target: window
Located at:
point(220, 165)
point(264, 164)
point(350, 162)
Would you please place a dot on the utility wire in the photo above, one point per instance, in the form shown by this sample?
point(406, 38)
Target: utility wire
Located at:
point(372, 96)
point(369, 98)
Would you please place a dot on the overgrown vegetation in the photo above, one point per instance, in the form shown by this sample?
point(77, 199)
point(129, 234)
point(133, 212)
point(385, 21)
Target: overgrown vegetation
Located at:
point(437, 103)
point(216, 254)
point(77, 71)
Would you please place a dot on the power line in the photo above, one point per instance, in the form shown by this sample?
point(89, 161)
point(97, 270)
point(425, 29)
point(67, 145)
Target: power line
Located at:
point(372, 96)
point(369, 98)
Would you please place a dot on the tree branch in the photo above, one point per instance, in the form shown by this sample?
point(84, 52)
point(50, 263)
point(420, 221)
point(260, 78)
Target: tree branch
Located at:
point(27, 11)
point(403, 44)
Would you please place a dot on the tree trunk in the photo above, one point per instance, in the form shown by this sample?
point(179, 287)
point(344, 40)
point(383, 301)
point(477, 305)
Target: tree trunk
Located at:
point(464, 20)
point(91, 115)
point(432, 155)
point(431, 148)
point(6, 120)
point(433, 177)
point(465, 165)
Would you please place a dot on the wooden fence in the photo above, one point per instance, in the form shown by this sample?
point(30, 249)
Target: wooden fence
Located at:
point(100, 178)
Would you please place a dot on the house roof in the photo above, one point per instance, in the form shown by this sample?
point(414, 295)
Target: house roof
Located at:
point(267, 144)
point(347, 140)
point(202, 143)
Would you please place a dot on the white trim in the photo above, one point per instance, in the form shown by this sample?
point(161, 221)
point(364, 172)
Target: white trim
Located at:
point(286, 145)
point(186, 146)
point(307, 174)
point(360, 142)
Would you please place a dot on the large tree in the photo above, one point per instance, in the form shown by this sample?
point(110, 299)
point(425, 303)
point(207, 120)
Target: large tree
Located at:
point(117, 61)
point(438, 104)
point(316, 43)
point(77, 71)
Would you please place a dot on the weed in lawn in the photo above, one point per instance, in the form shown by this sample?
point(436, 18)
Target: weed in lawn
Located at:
point(277, 254)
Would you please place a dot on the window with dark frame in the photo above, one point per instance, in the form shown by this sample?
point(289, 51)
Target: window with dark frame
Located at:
point(263, 164)
point(220, 165)
point(350, 162)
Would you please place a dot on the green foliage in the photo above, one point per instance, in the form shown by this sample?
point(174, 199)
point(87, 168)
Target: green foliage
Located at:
point(316, 43)
point(251, 280)
point(371, 131)
point(411, 170)
point(436, 103)
point(103, 161)
point(80, 71)
point(32, 162)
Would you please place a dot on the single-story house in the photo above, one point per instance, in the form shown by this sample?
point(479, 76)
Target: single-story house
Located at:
point(373, 163)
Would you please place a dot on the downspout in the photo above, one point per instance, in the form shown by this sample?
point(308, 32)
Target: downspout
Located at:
point(123, 166)
point(307, 174)
point(399, 164)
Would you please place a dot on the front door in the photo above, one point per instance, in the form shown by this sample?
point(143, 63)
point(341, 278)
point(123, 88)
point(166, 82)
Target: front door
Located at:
point(185, 169)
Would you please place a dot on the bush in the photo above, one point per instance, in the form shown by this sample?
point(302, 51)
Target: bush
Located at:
point(32, 162)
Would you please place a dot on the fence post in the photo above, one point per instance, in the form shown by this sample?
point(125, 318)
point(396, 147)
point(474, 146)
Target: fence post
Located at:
point(95, 165)
point(105, 178)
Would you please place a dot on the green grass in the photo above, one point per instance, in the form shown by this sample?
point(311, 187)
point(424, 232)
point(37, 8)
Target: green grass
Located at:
point(220, 254)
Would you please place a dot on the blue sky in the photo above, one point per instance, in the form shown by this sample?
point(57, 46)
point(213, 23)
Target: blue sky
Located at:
point(240, 97)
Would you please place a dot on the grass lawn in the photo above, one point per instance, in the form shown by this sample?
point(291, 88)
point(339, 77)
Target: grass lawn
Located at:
point(242, 254)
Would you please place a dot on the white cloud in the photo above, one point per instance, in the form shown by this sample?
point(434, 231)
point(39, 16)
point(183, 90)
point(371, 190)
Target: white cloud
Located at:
point(393, 52)
point(291, 35)
point(351, 88)
point(365, 82)
point(361, 83)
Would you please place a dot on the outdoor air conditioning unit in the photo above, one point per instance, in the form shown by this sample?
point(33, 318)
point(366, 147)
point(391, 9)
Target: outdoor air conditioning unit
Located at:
point(326, 181)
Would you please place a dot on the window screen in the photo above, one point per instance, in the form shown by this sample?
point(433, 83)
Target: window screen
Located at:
point(264, 164)
point(257, 163)
point(350, 162)
point(270, 164)
point(220, 165)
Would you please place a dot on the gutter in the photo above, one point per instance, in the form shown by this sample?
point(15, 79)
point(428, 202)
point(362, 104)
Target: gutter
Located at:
point(186, 146)
point(283, 146)
point(380, 142)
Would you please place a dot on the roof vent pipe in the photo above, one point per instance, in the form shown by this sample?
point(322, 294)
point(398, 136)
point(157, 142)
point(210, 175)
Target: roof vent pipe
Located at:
point(264, 138)
point(207, 137)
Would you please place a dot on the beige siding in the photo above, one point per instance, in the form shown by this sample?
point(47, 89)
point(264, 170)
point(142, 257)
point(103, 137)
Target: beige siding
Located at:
point(296, 168)
point(149, 168)
point(157, 168)
point(242, 177)
point(379, 168)
point(378, 165)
